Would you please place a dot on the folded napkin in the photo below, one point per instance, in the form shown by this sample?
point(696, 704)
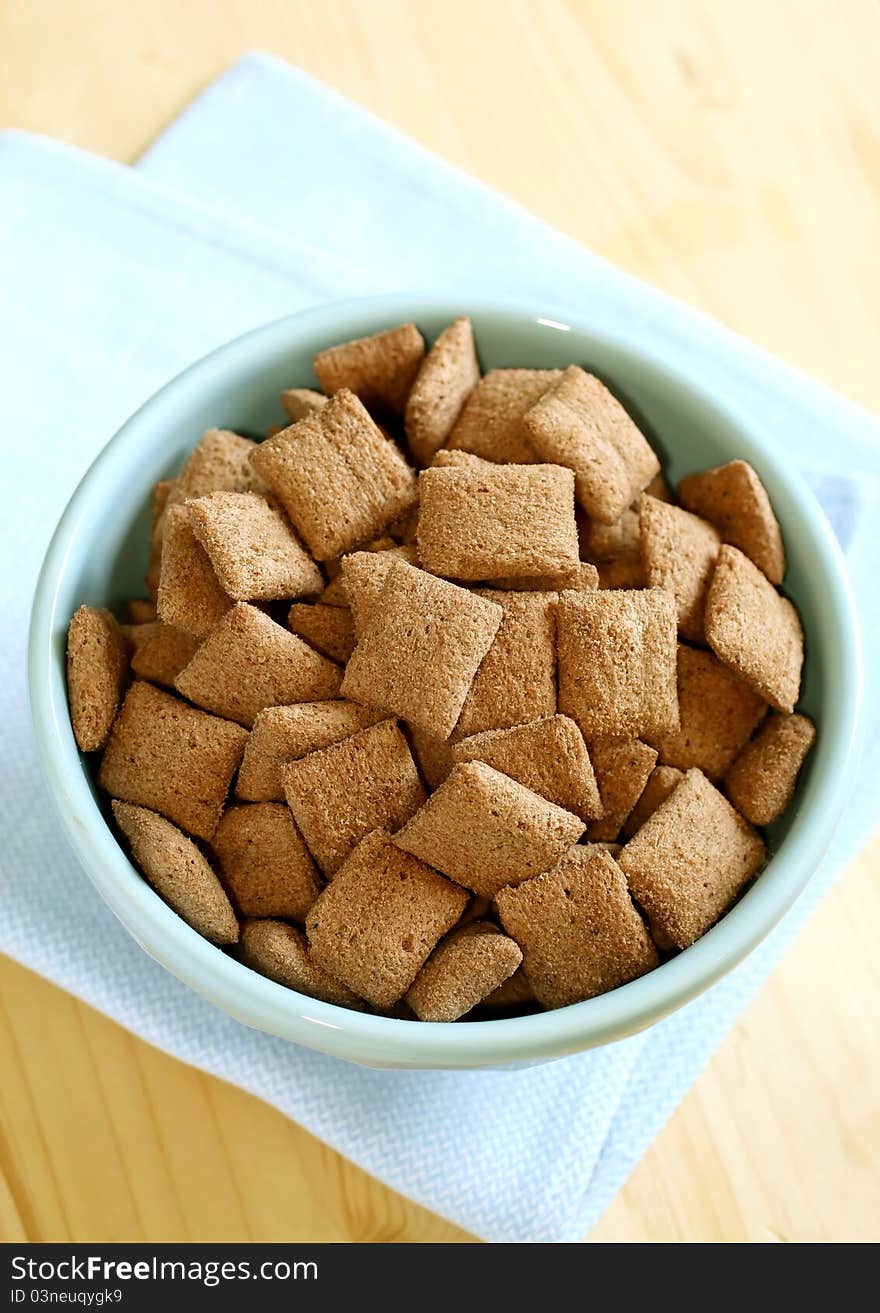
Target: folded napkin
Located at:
point(116, 279)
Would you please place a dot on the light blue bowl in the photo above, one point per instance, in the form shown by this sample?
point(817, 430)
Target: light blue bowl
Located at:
point(97, 556)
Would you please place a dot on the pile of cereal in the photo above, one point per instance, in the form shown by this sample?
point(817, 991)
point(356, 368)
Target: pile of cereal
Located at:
point(440, 701)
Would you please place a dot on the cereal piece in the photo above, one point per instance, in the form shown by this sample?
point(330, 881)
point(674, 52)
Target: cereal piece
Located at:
point(340, 481)
point(164, 654)
point(340, 793)
point(578, 930)
point(328, 629)
point(375, 925)
point(624, 572)
point(282, 734)
point(254, 552)
point(659, 488)
point(622, 769)
point(485, 830)
point(463, 970)
point(688, 862)
point(718, 715)
point(505, 520)
point(491, 422)
point(734, 499)
point(679, 552)
point(418, 655)
point(761, 781)
point(299, 402)
point(607, 542)
point(580, 424)
point(334, 594)
point(178, 872)
point(754, 630)
point(380, 370)
point(433, 756)
point(263, 861)
point(617, 662)
point(514, 992)
point(189, 596)
point(661, 782)
point(171, 758)
point(448, 374)
point(548, 756)
point(249, 662)
point(97, 672)
point(516, 681)
point(460, 460)
point(140, 611)
point(281, 953)
point(582, 578)
point(136, 636)
point(161, 492)
point(158, 503)
point(364, 575)
point(405, 528)
point(220, 463)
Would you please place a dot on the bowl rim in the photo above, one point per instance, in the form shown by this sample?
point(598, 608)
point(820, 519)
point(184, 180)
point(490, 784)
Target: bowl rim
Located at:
point(364, 1037)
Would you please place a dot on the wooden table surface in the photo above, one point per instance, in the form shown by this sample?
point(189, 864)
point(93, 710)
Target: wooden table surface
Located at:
point(727, 150)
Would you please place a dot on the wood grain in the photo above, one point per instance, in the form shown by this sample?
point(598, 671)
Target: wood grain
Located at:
point(729, 153)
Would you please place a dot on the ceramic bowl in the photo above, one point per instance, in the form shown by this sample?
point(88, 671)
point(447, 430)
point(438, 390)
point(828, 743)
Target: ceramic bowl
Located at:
point(98, 553)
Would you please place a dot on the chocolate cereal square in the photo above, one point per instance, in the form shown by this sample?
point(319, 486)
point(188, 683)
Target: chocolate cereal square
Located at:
point(688, 862)
point(578, 423)
point(340, 793)
point(516, 680)
point(362, 577)
point(281, 734)
point(375, 925)
point(433, 756)
point(463, 970)
point(340, 480)
point(328, 629)
point(299, 402)
point(617, 662)
point(178, 872)
point(754, 630)
point(419, 653)
point(734, 499)
point(548, 756)
point(97, 673)
point(491, 421)
point(252, 547)
point(485, 830)
point(501, 520)
point(448, 374)
point(661, 782)
point(380, 370)
point(281, 953)
point(679, 551)
point(622, 767)
point(190, 596)
point(578, 930)
point(718, 715)
point(580, 578)
point(263, 862)
point(163, 654)
point(171, 758)
point(249, 662)
point(761, 781)
point(220, 463)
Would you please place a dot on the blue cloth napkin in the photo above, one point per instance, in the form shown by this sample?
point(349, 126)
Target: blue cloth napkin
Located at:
point(272, 193)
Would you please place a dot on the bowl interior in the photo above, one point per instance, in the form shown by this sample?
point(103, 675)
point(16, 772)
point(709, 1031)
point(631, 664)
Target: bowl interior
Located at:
point(99, 557)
